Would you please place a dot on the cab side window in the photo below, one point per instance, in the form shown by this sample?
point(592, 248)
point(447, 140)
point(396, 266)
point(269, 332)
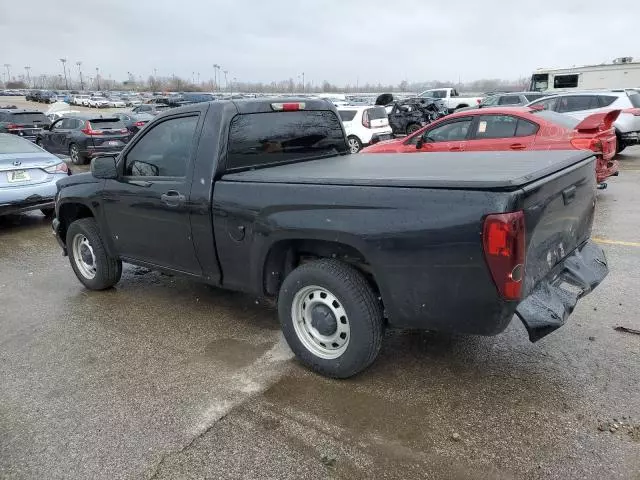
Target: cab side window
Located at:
point(164, 151)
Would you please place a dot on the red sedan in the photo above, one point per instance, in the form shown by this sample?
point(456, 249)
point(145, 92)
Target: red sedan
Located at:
point(514, 129)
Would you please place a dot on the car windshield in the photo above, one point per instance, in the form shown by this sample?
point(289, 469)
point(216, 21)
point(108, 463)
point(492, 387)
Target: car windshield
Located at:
point(13, 144)
point(29, 117)
point(557, 118)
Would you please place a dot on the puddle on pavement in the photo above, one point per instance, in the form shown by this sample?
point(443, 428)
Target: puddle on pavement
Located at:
point(235, 353)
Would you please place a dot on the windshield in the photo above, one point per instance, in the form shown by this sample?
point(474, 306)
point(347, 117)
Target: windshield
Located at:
point(29, 117)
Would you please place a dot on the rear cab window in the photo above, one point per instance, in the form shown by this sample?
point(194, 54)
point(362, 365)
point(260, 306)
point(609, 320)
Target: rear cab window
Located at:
point(376, 113)
point(28, 118)
point(272, 138)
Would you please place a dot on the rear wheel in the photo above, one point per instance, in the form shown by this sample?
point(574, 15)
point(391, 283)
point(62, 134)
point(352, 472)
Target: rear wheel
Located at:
point(95, 269)
point(76, 157)
point(355, 145)
point(412, 128)
point(620, 145)
point(331, 318)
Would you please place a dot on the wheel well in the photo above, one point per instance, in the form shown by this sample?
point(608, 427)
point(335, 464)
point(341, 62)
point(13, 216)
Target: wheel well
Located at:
point(69, 213)
point(286, 255)
point(462, 105)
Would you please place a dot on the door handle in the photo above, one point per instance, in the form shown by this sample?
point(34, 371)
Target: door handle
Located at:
point(569, 194)
point(517, 146)
point(172, 198)
point(455, 149)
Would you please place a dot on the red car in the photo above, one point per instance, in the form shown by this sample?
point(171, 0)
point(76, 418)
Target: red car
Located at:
point(514, 128)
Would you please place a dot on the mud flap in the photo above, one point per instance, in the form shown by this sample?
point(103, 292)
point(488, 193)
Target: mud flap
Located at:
point(552, 301)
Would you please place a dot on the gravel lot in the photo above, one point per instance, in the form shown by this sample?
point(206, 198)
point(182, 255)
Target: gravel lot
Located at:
point(165, 378)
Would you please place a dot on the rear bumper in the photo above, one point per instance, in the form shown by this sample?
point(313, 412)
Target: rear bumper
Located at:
point(549, 305)
point(30, 197)
point(92, 151)
point(26, 205)
point(610, 170)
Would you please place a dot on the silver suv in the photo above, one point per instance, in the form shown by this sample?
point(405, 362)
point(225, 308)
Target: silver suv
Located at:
point(582, 104)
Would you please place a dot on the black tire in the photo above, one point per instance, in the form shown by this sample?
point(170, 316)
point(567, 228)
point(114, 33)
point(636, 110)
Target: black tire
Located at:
point(76, 157)
point(48, 212)
point(356, 298)
point(355, 145)
point(620, 145)
point(108, 270)
point(414, 127)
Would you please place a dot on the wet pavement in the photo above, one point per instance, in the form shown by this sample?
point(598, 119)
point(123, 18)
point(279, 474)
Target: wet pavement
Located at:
point(165, 378)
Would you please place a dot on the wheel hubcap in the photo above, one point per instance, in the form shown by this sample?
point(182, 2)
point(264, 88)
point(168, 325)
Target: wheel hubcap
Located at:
point(353, 145)
point(74, 153)
point(83, 256)
point(320, 322)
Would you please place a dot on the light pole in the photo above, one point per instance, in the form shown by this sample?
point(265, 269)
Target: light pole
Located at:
point(8, 66)
point(98, 78)
point(79, 64)
point(234, 85)
point(303, 86)
point(64, 70)
point(226, 83)
point(198, 78)
point(216, 67)
point(27, 68)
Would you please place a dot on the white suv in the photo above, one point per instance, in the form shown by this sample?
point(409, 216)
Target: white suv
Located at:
point(364, 125)
point(582, 104)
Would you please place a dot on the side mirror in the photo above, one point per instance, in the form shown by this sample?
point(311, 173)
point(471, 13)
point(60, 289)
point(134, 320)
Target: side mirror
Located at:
point(419, 143)
point(104, 167)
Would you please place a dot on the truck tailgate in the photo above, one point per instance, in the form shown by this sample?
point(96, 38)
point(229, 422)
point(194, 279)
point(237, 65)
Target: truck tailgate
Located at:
point(562, 264)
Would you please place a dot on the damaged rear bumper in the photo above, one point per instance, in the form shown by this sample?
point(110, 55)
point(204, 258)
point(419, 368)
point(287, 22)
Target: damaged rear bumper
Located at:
point(551, 302)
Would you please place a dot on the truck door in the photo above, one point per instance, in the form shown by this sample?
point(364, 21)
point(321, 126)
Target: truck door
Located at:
point(147, 208)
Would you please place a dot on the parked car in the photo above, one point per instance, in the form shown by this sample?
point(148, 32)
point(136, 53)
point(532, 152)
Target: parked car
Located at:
point(97, 102)
point(23, 123)
point(32, 95)
point(132, 101)
point(197, 97)
point(151, 109)
point(511, 99)
point(83, 136)
point(406, 118)
point(364, 124)
point(451, 98)
point(134, 121)
point(238, 195)
point(580, 105)
point(115, 102)
point(47, 97)
point(28, 176)
point(81, 100)
point(514, 128)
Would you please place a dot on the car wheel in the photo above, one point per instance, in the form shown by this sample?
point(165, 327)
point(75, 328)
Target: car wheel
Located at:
point(48, 212)
point(620, 144)
point(95, 269)
point(355, 145)
point(412, 128)
point(76, 156)
point(331, 318)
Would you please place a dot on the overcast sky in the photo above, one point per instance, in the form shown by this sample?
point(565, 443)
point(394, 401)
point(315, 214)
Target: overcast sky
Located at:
point(337, 40)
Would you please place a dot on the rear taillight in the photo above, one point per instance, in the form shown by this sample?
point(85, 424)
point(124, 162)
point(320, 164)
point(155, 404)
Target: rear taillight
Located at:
point(123, 130)
point(87, 130)
point(503, 239)
point(366, 123)
point(479, 100)
point(140, 124)
point(592, 144)
point(57, 168)
point(11, 126)
point(632, 111)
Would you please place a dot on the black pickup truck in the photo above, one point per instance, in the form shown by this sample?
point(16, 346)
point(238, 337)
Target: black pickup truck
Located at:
point(261, 196)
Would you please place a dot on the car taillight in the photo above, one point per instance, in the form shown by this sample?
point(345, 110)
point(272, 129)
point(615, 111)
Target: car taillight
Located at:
point(479, 100)
point(123, 130)
point(140, 124)
point(633, 111)
point(592, 144)
point(14, 125)
point(366, 123)
point(57, 168)
point(87, 130)
point(503, 240)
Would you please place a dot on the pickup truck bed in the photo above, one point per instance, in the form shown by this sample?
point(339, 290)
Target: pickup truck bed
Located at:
point(481, 170)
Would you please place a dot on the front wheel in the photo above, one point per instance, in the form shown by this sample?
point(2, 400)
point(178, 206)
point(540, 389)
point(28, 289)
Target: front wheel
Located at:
point(412, 128)
point(355, 145)
point(95, 269)
point(331, 318)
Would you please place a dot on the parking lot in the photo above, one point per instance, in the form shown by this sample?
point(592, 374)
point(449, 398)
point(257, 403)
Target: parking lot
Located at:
point(164, 378)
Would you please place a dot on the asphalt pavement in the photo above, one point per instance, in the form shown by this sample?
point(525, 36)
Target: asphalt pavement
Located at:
point(164, 378)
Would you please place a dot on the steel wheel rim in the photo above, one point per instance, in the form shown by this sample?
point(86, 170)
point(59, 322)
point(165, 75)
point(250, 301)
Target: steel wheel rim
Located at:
point(326, 346)
point(74, 154)
point(83, 256)
point(353, 145)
